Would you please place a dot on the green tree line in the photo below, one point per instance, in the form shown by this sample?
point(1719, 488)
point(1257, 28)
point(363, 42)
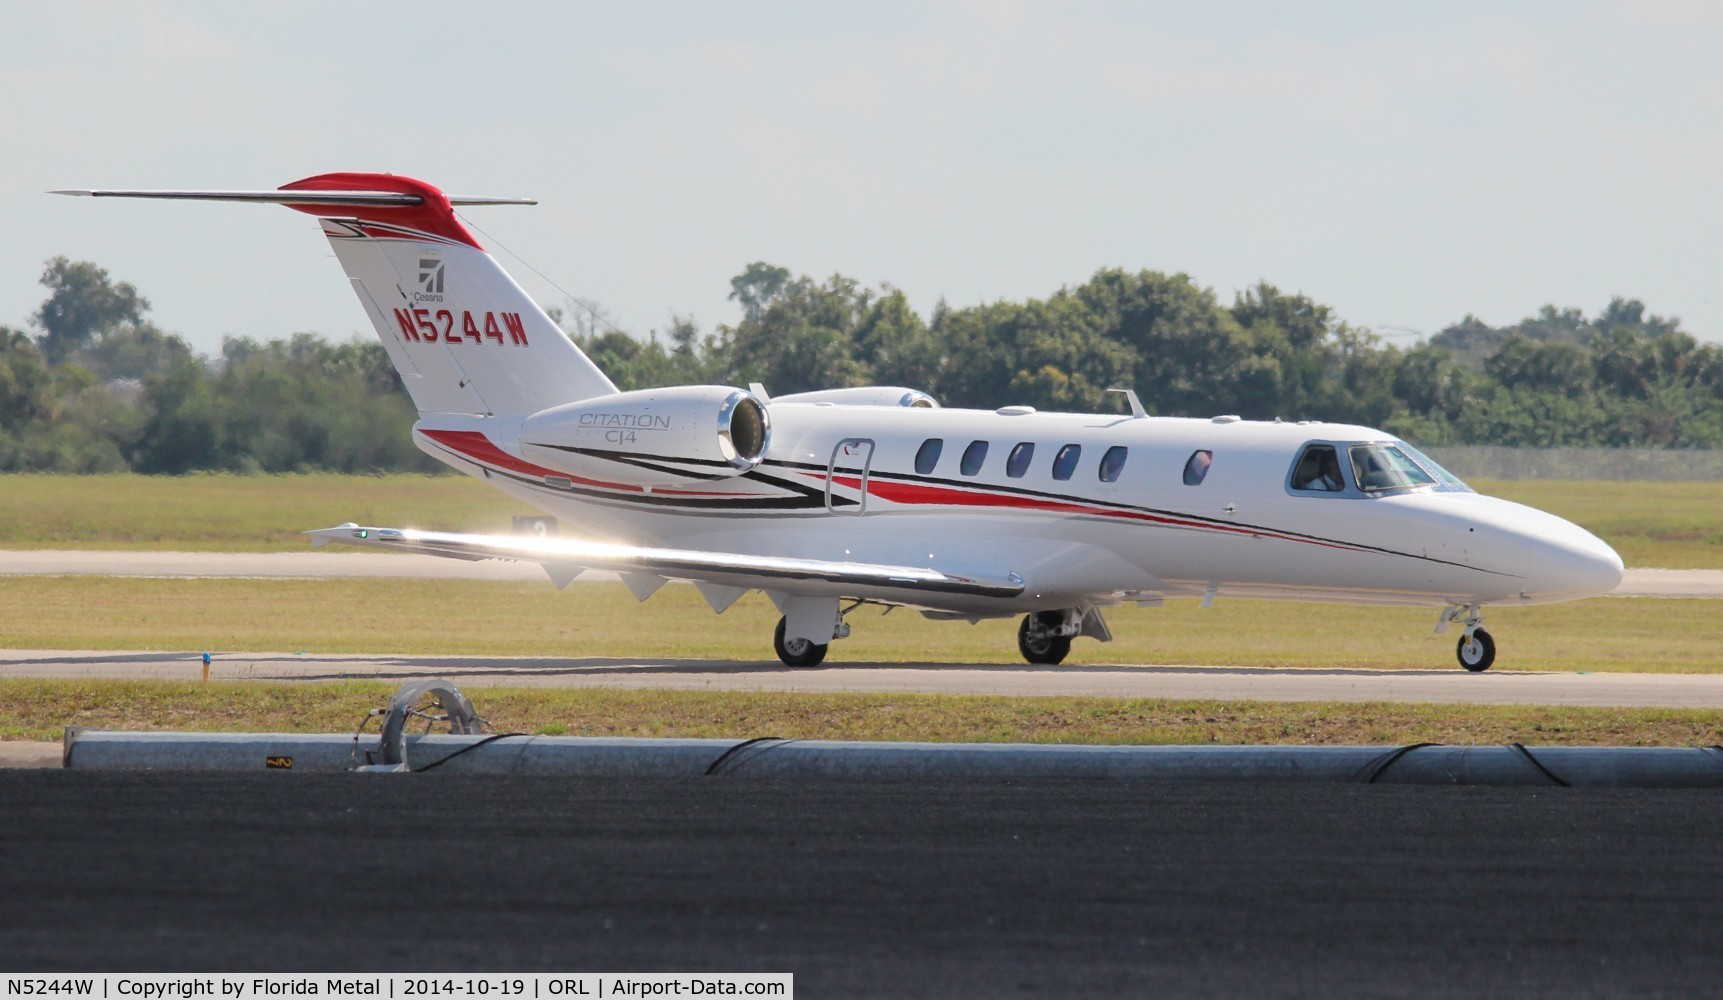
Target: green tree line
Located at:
point(95, 386)
point(100, 388)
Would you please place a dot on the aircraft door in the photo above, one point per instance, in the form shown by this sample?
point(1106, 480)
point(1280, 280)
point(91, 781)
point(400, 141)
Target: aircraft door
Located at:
point(852, 459)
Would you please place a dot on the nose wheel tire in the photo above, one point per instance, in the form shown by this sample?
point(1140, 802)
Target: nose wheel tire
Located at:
point(1477, 651)
point(798, 652)
point(1039, 647)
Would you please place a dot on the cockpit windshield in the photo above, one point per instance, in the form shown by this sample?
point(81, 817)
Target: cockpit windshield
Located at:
point(1443, 476)
point(1378, 467)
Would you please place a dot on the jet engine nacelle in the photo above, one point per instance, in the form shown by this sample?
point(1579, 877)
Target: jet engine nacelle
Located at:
point(864, 395)
point(650, 437)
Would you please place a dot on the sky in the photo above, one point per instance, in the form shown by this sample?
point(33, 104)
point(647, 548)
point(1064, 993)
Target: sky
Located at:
point(1404, 163)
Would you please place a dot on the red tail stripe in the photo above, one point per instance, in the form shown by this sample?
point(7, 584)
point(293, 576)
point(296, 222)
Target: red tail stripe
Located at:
point(476, 446)
point(433, 215)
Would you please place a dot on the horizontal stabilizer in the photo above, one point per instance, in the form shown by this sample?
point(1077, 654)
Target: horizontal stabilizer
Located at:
point(733, 569)
point(463, 335)
point(295, 197)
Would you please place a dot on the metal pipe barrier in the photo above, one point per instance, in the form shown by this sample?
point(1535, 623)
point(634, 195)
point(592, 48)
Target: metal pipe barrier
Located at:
point(1579, 767)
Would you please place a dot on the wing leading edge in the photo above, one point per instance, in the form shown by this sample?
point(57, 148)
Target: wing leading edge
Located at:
point(564, 559)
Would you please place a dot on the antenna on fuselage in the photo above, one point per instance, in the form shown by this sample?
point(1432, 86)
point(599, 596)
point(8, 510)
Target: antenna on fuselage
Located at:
point(1136, 404)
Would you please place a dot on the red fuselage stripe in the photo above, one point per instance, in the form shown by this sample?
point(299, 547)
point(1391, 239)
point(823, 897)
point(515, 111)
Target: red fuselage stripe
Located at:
point(916, 493)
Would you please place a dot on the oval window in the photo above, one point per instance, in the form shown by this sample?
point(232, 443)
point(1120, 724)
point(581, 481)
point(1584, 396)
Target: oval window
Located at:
point(1017, 463)
point(1113, 463)
point(1065, 463)
point(973, 456)
point(1196, 469)
point(927, 456)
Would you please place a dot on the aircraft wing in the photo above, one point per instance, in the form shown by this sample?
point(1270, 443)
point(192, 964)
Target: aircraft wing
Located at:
point(565, 558)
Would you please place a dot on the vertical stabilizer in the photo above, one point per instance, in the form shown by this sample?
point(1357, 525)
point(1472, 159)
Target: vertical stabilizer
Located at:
point(464, 336)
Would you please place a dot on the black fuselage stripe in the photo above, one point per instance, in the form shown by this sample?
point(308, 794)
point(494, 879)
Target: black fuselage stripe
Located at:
point(813, 499)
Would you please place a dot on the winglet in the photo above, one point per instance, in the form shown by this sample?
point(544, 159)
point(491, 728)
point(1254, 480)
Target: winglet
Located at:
point(348, 532)
point(1137, 411)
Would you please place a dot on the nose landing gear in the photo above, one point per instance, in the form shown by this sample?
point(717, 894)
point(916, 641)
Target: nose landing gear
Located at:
point(1477, 648)
point(1476, 651)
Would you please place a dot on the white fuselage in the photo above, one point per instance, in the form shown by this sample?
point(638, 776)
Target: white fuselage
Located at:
point(1241, 532)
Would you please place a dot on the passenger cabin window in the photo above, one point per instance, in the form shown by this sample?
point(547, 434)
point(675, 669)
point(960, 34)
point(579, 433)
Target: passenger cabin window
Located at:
point(1017, 463)
point(1318, 470)
point(1113, 463)
point(1379, 467)
point(927, 456)
point(1197, 466)
point(1065, 463)
point(973, 456)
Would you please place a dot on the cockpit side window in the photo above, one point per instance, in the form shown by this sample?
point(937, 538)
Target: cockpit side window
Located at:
point(1197, 466)
point(1379, 467)
point(1318, 470)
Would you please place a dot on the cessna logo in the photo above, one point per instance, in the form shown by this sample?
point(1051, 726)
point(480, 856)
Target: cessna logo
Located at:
point(430, 280)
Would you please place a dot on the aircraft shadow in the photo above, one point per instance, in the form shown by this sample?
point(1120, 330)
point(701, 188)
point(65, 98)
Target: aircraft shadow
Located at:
point(621, 667)
point(264, 666)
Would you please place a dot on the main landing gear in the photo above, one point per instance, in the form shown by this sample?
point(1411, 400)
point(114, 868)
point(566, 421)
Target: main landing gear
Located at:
point(1044, 637)
point(1477, 648)
point(798, 652)
point(808, 627)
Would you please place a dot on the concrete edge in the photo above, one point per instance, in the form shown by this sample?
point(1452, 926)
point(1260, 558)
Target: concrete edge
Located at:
point(29, 753)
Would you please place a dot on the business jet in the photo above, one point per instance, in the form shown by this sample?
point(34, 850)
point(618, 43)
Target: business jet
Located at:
point(833, 499)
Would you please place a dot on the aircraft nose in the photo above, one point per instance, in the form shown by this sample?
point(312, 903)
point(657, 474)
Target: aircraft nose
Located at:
point(1565, 562)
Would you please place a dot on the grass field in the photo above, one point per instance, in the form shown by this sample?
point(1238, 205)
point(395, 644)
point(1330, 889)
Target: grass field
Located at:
point(528, 619)
point(38, 709)
point(1674, 525)
point(228, 513)
point(1671, 525)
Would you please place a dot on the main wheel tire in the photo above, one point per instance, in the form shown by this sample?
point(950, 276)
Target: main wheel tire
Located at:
point(1042, 649)
point(1476, 651)
point(798, 652)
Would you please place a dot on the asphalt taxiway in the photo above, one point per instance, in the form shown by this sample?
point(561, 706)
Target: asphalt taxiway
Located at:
point(867, 888)
point(1445, 686)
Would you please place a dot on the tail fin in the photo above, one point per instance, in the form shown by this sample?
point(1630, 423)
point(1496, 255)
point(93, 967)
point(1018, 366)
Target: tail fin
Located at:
point(463, 335)
point(465, 338)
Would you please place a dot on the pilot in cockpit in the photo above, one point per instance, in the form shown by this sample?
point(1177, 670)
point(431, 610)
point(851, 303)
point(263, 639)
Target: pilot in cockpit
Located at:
point(1319, 471)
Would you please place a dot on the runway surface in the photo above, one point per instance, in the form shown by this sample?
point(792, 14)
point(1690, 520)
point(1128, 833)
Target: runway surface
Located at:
point(346, 565)
point(900, 889)
point(1446, 686)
